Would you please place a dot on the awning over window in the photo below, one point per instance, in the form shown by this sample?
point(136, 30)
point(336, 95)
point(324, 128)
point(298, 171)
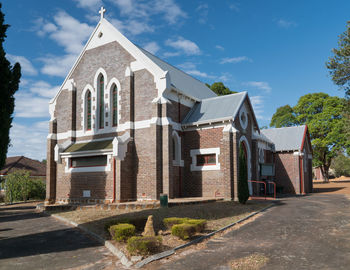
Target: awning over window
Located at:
point(90, 146)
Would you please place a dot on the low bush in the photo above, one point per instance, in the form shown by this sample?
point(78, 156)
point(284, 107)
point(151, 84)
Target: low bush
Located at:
point(199, 224)
point(122, 231)
point(169, 222)
point(183, 231)
point(138, 222)
point(144, 245)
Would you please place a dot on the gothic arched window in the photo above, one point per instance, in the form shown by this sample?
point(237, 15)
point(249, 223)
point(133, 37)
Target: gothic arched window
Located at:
point(114, 95)
point(88, 110)
point(101, 102)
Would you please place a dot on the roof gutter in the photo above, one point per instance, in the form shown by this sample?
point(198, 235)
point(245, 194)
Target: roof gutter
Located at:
point(207, 122)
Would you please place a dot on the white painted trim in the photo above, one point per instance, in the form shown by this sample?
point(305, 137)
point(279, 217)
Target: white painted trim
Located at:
point(243, 111)
point(88, 87)
point(110, 101)
point(99, 72)
point(106, 168)
point(180, 98)
point(249, 161)
point(164, 121)
point(195, 152)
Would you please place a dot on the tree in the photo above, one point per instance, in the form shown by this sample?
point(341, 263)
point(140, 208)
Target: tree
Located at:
point(220, 89)
point(339, 63)
point(341, 165)
point(324, 117)
point(243, 190)
point(9, 81)
point(283, 117)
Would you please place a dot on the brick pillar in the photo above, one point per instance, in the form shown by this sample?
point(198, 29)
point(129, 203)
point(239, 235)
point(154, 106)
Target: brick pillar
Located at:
point(227, 164)
point(118, 180)
point(51, 164)
point(235, 154)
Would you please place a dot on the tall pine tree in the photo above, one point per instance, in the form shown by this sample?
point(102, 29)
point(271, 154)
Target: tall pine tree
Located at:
point(9, 81)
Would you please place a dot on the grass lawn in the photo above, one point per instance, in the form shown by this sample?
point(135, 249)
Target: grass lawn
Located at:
point(218, 214)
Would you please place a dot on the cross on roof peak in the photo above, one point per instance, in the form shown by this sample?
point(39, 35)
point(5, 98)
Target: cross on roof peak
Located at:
point(102, 12)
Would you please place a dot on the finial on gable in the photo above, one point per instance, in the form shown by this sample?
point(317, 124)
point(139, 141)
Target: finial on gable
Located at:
point(102, 12)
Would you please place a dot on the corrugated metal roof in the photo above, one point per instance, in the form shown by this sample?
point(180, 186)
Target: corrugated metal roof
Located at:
point(181, 80)
point(215, 109)
point(90, 146)
point(286, 138)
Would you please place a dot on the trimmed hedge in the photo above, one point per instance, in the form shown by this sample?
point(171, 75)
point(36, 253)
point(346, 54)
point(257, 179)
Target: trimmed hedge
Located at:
point(169, 222)
point(199, 224)
point(122, 231)
point(144, 245)
point(139, 223)
point(184, 230)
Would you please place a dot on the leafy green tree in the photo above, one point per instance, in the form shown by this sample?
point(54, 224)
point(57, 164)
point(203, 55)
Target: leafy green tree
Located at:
point(324, 117)
point(9, 81)
point(16, 186)
point(341, 165)
point(220, 89)
point(283, 117)
point(339, 63)
point(243, 190)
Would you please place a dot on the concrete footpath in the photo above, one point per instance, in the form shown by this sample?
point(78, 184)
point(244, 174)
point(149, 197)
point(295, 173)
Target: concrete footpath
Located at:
point(311, 232)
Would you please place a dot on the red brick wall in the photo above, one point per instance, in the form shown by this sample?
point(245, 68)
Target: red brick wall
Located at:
point(287, 172)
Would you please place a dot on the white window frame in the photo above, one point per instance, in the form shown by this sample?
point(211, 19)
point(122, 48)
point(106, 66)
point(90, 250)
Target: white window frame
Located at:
point(195, 152)
point(69, 169)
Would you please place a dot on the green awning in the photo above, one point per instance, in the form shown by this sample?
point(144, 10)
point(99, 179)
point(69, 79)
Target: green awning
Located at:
point(90, 146)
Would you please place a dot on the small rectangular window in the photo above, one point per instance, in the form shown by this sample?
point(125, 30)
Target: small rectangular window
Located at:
point(93, 161)
point(207, 159)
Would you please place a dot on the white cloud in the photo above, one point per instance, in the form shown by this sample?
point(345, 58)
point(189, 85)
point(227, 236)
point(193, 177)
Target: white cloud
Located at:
point(219, 47)
point(152, 47)
point(184, 45)
point(68, 32)
point(203, 10)
point(258, 106)
point(89, 4)
point(190, 68)
point(235, 60)
point(44, 89)
point(31, 106)
point(29, 140)
point(259, 85)
point(26, 66)
point(285, 23)
point(143, 10)
point(58, 65)
point(132, 27)
point(187, 65)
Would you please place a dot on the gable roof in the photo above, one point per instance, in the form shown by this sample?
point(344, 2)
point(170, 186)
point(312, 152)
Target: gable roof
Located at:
point(286, 138)
point(35, 167)
point(217, 109)
point(181, 81)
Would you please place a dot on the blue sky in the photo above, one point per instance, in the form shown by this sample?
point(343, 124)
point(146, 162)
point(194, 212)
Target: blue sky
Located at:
point(276, 50)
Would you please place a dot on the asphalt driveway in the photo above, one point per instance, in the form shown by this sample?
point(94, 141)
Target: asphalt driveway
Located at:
point(311, 232)
point(30, 240)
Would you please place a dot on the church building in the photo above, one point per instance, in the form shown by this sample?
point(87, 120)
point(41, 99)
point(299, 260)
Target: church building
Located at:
point(127, 126)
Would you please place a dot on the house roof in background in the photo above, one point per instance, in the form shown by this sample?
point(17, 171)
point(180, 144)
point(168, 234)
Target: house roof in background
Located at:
point(215, 109)
point(35, 167)
point(286, 138)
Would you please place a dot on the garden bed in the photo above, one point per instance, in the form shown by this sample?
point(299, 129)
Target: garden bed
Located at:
point(218, 215)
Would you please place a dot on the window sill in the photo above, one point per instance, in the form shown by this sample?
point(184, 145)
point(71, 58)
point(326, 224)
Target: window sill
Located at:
point(205, 168)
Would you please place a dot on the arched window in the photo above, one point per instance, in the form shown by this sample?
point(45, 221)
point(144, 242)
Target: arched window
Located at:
point(101, 102)
point(114, 95)
point(88, 110)
point(176, 147)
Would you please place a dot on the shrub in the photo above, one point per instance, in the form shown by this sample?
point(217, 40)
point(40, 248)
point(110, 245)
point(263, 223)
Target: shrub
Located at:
point(184, 230)
point(122, 231)
point(143, 245)
point(138, 222)
point(169, 222)
point(198, 223)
